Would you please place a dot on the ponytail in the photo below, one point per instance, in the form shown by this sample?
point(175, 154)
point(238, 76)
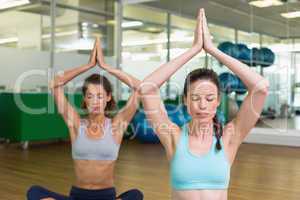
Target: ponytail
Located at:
point(218, 128)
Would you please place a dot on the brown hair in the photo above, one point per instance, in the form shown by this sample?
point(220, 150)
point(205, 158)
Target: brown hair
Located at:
point(210, 75)
point(102, 80)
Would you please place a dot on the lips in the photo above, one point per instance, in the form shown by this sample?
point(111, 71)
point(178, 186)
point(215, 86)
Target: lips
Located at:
point(202, 114)
point(95, 109)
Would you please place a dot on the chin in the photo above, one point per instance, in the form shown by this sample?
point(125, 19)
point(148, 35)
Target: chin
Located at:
point(203, 120)
point(96, 112)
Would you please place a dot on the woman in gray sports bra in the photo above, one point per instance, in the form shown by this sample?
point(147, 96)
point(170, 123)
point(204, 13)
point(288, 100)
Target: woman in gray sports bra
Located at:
point(96, 138)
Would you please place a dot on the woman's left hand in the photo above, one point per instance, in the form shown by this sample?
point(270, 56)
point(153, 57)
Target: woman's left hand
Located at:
point(207, 38)
point(100, 57)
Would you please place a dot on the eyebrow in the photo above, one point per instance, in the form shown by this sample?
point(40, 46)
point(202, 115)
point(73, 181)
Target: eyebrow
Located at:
point(89, 93)
point(202, 95)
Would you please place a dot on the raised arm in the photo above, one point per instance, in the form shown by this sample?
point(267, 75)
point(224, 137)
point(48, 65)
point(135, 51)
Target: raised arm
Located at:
point(69, 114)
point(256, 84)
point(165, 71)
point(155, 111)
point(126, 78)
point(124, 116)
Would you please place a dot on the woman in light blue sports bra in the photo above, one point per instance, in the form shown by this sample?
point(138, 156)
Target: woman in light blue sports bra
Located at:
point(202, 151)
point(96, 138)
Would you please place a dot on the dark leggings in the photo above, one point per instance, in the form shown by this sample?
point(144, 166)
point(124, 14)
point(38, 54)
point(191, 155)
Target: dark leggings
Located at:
point(37, 193)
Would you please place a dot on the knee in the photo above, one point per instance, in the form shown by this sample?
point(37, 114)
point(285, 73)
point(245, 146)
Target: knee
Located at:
point(136, 194)
point(33, 192)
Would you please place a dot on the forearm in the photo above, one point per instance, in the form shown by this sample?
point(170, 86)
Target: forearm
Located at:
point(68, 75)
point(165, 71)
point(126, 78)
point(251, 79)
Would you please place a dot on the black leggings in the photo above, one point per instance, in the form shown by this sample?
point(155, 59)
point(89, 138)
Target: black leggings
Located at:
point(37, 193)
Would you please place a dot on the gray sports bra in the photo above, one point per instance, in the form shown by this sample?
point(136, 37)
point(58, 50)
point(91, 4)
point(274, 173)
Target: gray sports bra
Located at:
point(105, 148)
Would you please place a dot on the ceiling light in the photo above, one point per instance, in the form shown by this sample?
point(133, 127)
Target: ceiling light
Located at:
point(266, 3)
point(111, 22)
point(68, 33)
point(135, 1)
point(290, 15)
point(131, 24)
point(8, 40)
point(84, 24)
point(84, 28)
point(12, 3)
point(85, 35)
point(156, 41)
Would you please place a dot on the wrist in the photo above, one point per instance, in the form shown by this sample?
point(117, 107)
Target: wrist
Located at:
point(105, 67)
point(196, 48)
point(90, 65)
point(211, 49)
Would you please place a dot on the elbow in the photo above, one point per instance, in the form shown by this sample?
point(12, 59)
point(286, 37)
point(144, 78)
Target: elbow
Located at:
point(56, 82)
point(135, 86)
point(262, 87)
point(146, 88)
point(52, 85)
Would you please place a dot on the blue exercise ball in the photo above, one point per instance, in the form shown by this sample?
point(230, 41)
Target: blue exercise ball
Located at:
point(235, 52)
point(241, 89)
point(254, 57)
point(142, 129)
point(228, 82)
point(144, 132)
point(267, 57)
point(243, 53)
point(177, 114)
point(227, 47)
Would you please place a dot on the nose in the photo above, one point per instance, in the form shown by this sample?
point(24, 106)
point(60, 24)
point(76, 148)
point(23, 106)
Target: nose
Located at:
point(202, 104)
point(94, 101)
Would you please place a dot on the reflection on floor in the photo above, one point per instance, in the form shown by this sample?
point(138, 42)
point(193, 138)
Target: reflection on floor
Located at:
point(280, 123)
point(260, 172)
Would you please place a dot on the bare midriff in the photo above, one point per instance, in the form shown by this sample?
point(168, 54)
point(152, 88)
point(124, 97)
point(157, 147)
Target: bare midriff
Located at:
point(94, 174)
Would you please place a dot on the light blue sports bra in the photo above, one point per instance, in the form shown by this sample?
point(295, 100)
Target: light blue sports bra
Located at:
point(190, 172)
point(105, 148)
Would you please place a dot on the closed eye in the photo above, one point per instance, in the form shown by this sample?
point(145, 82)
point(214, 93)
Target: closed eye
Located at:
point(195, 98)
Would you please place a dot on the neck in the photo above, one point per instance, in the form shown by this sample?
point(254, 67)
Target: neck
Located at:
point(198, 128)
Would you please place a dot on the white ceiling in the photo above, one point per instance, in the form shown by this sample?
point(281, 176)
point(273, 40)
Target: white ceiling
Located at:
point(233, 13)
point(238, 14)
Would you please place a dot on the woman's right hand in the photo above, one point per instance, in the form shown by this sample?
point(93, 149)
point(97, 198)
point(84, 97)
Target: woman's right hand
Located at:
point(100, 56)
point(198, 34)
point(93, 56)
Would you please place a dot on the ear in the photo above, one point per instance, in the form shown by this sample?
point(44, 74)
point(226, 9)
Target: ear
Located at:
point(108, 97)
point(83, 104)
point(184, 100)
point(84, 99)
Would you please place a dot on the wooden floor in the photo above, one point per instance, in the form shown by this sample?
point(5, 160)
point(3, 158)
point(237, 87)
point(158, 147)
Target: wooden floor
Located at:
point(260, 172)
